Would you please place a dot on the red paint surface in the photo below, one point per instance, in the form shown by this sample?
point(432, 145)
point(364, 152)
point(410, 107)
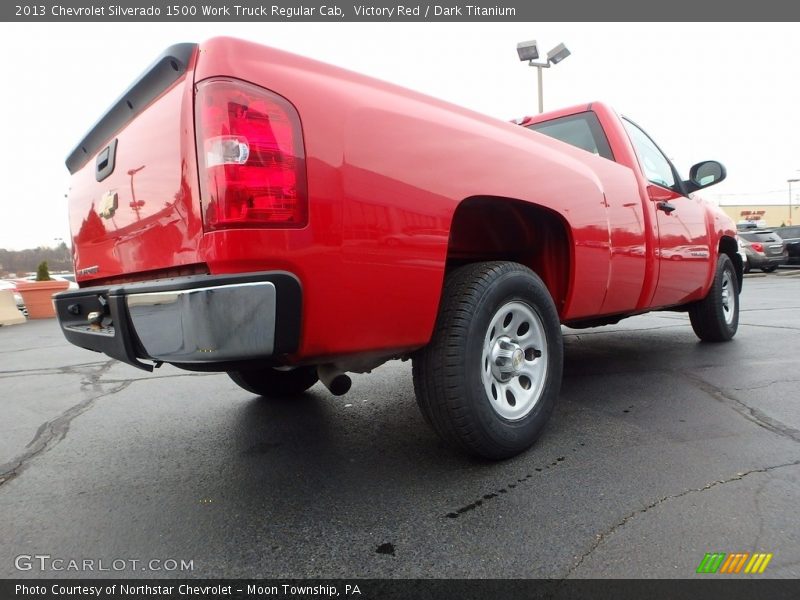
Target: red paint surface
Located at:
point(386, 170)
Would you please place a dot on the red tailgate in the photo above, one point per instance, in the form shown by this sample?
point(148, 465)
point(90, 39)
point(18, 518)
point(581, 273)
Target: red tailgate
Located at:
point(133, 198)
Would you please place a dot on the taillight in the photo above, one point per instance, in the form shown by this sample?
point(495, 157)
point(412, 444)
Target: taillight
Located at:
point(758, 247)
point(251, 157)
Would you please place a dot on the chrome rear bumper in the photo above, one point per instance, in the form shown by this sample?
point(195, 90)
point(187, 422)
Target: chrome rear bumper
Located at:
point(210, 324)
point(198, 320)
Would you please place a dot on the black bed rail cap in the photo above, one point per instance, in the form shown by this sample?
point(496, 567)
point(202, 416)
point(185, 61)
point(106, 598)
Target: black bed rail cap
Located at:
point(159, 76)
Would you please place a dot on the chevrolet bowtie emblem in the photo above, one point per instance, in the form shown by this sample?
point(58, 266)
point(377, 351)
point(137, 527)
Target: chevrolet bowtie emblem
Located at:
point(108, 205)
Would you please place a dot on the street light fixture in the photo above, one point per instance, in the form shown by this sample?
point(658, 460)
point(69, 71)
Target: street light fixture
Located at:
point(557, 54)
point(529, 51)
point(790, 182)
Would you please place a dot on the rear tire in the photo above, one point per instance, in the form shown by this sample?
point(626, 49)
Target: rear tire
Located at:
point(274, 383)
point(716, 317)
point(768, 269)
point(489, 379)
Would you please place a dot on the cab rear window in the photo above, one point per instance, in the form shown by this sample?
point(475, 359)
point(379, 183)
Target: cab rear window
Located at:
point(582, 131)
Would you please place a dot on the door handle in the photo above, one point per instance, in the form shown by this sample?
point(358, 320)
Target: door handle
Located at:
point(666, 207)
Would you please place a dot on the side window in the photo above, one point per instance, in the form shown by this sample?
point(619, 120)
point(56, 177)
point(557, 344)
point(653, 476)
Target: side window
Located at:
point(582, 130)
point(655, 165)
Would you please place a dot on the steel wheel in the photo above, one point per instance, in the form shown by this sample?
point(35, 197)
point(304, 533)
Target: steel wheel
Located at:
point(489, 378)
point(729, 297)
point(514, 360)
point(715, 318)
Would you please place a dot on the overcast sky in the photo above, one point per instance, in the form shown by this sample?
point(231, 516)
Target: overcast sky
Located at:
point(723, 91)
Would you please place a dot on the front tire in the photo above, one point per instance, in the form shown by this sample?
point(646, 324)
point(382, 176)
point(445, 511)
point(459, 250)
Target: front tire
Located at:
point(716, 317)
point(275, 383)
point(489, 379)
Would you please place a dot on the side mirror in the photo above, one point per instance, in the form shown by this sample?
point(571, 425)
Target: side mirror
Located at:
point(705, 174)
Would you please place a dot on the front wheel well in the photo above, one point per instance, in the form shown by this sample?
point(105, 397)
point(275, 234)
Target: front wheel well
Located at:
point(729, 246)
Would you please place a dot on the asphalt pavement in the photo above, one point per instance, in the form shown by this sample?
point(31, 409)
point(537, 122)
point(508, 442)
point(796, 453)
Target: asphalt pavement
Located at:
point(660, 450)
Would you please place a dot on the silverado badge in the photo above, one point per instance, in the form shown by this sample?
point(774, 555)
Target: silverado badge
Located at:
point(108, 205)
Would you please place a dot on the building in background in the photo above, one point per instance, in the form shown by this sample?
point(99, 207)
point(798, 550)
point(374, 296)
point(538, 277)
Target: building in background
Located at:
point(763, 215)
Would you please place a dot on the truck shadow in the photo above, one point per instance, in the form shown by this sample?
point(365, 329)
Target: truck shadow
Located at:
point(373, 446)
point(384, 429)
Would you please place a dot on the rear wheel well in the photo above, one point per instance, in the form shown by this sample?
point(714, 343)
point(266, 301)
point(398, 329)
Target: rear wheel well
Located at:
point(486, 228)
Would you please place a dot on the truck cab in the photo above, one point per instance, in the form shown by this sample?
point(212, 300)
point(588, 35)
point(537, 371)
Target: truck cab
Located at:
point(669, 234)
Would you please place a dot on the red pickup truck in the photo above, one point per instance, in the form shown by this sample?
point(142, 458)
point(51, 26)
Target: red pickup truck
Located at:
point(246, 210)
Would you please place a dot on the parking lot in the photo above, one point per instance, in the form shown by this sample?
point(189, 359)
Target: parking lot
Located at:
point(660, 450)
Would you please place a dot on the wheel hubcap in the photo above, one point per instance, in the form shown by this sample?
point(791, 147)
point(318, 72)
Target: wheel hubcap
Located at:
point(728, 298)
point(506, 359)
point(514, 360)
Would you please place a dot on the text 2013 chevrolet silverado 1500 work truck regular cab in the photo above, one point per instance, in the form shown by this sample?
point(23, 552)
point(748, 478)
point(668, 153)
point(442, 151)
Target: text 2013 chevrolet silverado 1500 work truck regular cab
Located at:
point(246, 210)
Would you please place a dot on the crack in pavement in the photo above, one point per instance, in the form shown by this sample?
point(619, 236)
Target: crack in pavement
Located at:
point(77, 370)
point(152, 377)
point(769, 326)
point(608, 331)
point(68, 370)
point(600, 538)
point(758, 387)
point(769, 309)
point(32, 349)
point(53, 431)
point(753, 415)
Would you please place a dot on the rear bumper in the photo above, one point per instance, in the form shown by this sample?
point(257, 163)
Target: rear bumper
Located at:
point(758, 261)
point(197, 320)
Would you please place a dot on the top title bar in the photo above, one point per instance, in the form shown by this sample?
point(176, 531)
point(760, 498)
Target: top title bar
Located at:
point(386, 11)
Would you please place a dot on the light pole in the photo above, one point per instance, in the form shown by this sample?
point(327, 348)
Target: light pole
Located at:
point(135, 204)
point(790, 182)
point(529, 51)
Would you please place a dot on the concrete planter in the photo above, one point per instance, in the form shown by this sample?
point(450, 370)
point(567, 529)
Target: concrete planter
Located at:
point(9, 313)
point(38, 297)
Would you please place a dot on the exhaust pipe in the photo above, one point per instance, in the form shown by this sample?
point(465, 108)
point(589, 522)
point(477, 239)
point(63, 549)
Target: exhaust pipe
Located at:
point(332, 378)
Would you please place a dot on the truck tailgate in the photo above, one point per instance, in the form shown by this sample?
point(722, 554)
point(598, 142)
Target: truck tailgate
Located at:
point(133, 199)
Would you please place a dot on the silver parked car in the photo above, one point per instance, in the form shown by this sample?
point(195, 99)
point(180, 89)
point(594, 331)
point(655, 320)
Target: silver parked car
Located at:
point(765, 250)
